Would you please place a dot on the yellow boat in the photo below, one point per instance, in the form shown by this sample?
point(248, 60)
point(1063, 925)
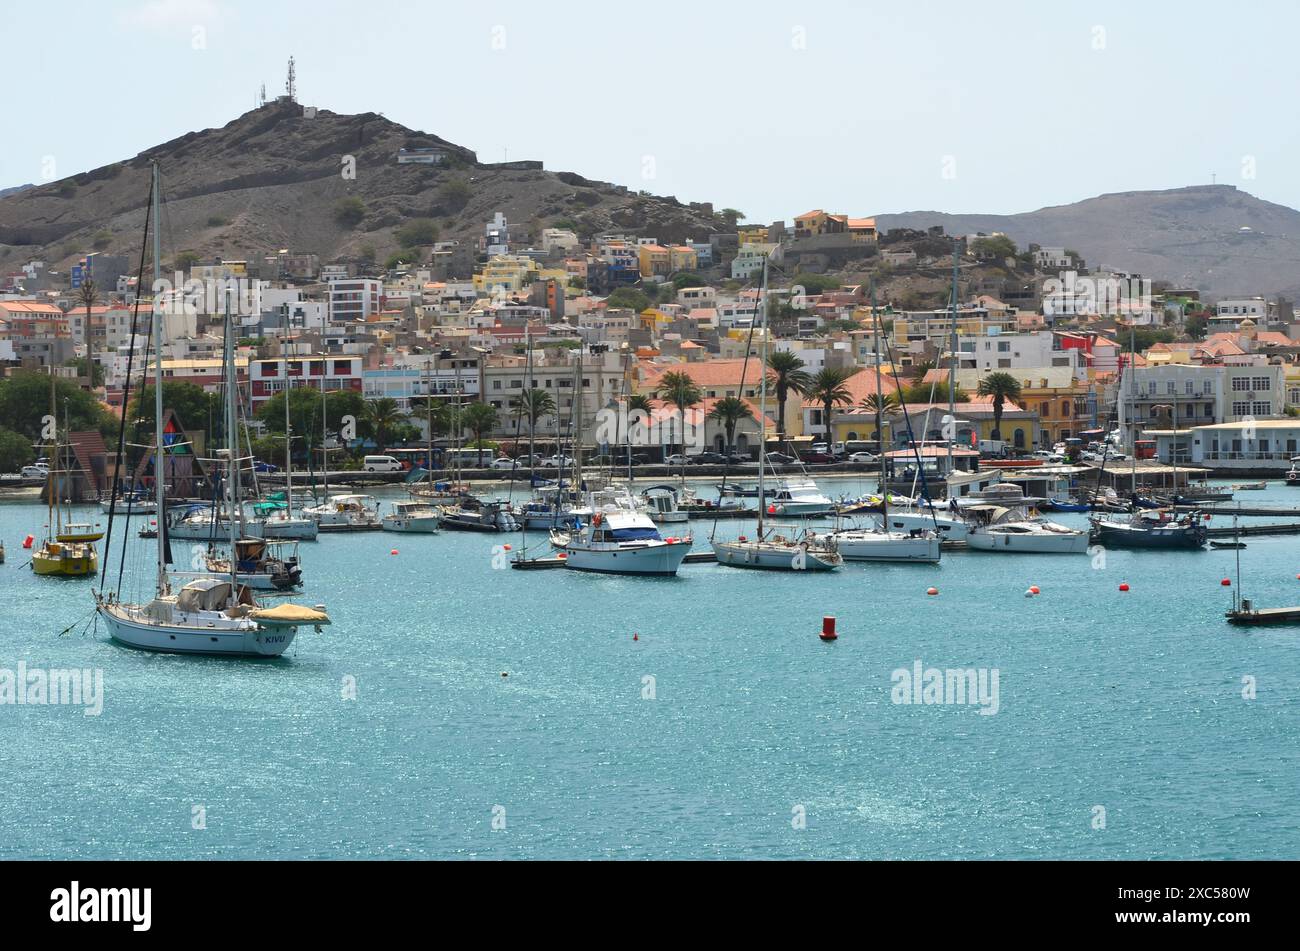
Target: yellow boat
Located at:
point(56, 558)
point(74, 532)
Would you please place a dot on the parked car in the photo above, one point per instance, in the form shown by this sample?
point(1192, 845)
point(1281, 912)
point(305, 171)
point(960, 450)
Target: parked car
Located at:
point(381, 464)
point(557, 462)
point(260, 466)
point(506, 463)
point(780, 459)
point(818, 456)
point(676, 459)
point(707, 459)
point(37, 471)
point(864, 458)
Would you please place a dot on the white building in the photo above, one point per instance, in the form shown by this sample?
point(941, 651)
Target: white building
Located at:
point(1193, 395)
point(354, 299)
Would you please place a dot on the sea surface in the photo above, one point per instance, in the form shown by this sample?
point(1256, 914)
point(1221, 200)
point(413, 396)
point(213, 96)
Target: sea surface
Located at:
point(459, 709)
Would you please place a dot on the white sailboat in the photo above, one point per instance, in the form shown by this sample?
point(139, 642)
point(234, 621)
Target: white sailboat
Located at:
point(772, 548)
point(346, 513)
point(879, 543)
point(412, 517)
point(206, 615)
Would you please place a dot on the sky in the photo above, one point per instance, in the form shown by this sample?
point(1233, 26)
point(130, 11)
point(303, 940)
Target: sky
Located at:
point(771, 108)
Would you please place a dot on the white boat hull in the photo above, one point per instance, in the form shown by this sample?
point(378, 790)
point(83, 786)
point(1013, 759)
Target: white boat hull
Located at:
point(887, 546)
point(949, 528)
point(651, 558)
point(206, 632)
point(1046, 543)
point(774, 557)
point(129, 508)
point(207, 530)
point(413, 525)
point(295, 529)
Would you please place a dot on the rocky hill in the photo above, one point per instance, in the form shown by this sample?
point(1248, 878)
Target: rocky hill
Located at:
point(1216, 238)
point(274, 178)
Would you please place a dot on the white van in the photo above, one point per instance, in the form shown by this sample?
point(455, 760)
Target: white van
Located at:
point(381, 464)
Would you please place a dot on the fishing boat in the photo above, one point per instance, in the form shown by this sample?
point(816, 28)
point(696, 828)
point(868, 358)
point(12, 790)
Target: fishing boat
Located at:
point(798, 498)
point(772, 548)
point(413, 517)
point(620, 539)
point(346, 513)
point(206, 615)
point(260, 565)
point(1251, 486)
point(662, 502)
point(476, 515)
point(1151, 529)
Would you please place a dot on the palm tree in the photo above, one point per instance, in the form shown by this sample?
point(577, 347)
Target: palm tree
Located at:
point(479, 418)
point(879, 405)
point(383, 416)
point(730, 411)
point(829, 389)
point(639, 401)
point(677, 387)
point(88, 297)
point(1002, 387)
point(788, 374)
point(533, 404)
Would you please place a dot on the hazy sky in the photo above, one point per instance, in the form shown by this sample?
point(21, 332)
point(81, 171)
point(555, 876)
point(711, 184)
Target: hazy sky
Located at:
point(772, 108)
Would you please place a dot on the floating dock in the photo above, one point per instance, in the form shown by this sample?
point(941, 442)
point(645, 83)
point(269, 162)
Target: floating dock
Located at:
point(1253, 617)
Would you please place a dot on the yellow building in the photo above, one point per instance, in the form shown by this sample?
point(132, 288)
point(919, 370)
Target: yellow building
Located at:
point(655, 260)
point(682, 258)
point(753, 235)
point(507, 271)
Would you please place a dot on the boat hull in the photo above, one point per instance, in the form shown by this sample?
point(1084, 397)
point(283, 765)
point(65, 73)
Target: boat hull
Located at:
point(950, 529)
point(1123, 536)
point(888, 546)
point(659, 558)
point(292, 529)
point(1027, 544)
point(412, 525)
point(229, 639)
point(770, 557)
point(65, 563)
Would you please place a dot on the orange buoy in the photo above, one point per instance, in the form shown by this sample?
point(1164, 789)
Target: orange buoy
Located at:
point(505, 548)
point(1124, 587)
point(932, 592)
point(1034, 589)
point(1226, 582)
point(828, 629)
point(27, 542)
point(562, 556)
point(393, 552)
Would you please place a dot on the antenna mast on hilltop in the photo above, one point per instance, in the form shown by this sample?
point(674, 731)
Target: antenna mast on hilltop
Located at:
point(291, 87)
point(262, 96)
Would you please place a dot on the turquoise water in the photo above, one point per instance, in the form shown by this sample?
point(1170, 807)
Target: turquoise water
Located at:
point(1132, 702)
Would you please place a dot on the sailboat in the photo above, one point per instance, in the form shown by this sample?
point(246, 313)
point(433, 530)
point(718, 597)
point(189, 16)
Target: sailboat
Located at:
point(916, 544)
point(771, 548)
point(68, 550)
point(207, 614)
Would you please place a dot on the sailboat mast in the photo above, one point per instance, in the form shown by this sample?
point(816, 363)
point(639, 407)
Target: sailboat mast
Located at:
point(1132, 404)
point(762, 402)
point(288, 429)
point(952, 364)
point(324, 436)
point(159, 488)
point(880, 410)
point(235, 514)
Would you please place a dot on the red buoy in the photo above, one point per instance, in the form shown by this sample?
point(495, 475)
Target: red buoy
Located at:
point(1226, 582)
point(1124, 586)
point(505, 548)
point(828, 629)
point(932, 592)
point(1034, 589)
point(771, 510)
point(27, 542)
point(636, 637)
point(393, 552)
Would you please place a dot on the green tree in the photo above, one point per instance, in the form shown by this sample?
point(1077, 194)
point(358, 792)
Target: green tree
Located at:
point(25, 401)
point(533, 405)
point(829, 389)
point(879, 406)
point(731, 216)
point(185, 260)
point(417, 233)
point(730, 412)
point(197, 410)
point(993, 248)
point(349, 212)
point(787, 373)
point(677, 388)
point(631, 298)
point(1003, 387)
point(403, 258)
point(814, 284)
point(479, 418)
point(455, 194)
point(383, 418)
point(1196, 325)
point(686, 279)
point(88, 368)
point(15, 451)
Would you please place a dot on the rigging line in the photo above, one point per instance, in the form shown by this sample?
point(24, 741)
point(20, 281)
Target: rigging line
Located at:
point(126, 406)
point(762, 426)
point(911, 436)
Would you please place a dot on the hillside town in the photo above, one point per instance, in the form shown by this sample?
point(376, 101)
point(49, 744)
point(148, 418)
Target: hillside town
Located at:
point(1034, 347)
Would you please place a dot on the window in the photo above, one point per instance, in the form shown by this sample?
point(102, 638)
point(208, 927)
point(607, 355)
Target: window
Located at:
point(1261, 384)
point(1240, 384)
point(1170, 388)
point(1240, 408)
point(1187, 387)
point(496, 384)
point(1261, 408)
